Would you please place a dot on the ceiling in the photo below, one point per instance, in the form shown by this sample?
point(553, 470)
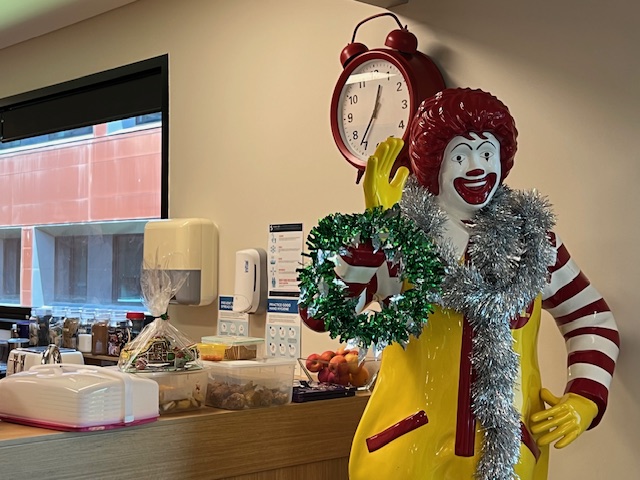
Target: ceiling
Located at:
point(21, 20)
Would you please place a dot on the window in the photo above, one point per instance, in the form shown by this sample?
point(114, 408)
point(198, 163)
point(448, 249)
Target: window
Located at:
point(11, 252)
point(78, 185)
point(71, 258)
point(117, 257)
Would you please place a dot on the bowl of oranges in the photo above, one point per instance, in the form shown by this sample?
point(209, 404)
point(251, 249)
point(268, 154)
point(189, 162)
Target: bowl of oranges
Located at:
point(342, 366)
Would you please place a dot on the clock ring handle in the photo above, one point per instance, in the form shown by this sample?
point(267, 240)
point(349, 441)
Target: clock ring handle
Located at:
point(353, 38)
point(400, 39)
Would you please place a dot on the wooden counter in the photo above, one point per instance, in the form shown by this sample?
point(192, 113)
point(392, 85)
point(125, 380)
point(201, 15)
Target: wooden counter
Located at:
point(299, 441)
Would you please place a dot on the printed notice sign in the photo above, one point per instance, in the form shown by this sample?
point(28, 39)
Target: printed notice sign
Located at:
point(284, 257)
point(230, 322)
point(282, 332)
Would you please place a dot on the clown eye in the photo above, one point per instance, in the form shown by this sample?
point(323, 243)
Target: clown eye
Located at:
point(486, 155)
point(458, 158)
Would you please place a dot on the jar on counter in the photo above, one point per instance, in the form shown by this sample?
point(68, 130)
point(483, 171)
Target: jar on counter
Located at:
point(137, 323)
point(56, 322)
point(43, 317)
point(119, 334)
point(100, 332)
point(70, 327)
point(33, 328)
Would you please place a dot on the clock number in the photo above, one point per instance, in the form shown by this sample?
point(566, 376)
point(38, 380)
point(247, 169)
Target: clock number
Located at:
point(365, 143)
point(362, 84)
point(401, 124)
point(404, 104)
point(355, 134)
point(399, 89)
point(350, 117)
point(353, 99)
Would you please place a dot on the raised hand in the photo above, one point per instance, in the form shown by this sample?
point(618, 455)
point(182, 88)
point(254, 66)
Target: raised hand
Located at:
point(378, 190)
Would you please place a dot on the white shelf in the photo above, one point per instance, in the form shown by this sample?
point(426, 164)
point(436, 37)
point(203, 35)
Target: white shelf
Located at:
point(384, 3)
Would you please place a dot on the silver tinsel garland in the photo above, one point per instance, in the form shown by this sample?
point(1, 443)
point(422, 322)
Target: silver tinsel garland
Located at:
point(507, 267)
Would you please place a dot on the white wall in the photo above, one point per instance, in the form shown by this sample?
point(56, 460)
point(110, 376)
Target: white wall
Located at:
point(250, 86)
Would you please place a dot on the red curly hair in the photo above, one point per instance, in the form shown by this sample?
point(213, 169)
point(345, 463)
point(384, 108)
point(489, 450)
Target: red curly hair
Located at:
point(457, 112)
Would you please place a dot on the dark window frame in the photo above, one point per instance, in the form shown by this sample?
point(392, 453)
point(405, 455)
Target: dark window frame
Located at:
point(136, 89)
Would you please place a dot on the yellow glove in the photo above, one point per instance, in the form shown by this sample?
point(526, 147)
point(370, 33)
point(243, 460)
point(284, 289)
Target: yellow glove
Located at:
point(378, 191)
point(568, 417)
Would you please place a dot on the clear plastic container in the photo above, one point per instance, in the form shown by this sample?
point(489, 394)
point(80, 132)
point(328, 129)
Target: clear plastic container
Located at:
point(179, 391)
point(212, 352)
point(242, 384)
point(238, 348)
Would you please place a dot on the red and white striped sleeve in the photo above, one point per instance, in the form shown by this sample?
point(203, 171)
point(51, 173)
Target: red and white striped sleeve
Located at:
point(588, 327)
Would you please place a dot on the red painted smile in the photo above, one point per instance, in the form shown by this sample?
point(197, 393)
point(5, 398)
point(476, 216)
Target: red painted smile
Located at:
point(475, 191)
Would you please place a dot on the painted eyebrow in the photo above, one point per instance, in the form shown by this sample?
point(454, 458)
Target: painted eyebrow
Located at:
point(462, 143)
point(486, 141)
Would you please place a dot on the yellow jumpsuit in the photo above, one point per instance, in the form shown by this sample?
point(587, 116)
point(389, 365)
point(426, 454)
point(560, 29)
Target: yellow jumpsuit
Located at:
point(426, 377)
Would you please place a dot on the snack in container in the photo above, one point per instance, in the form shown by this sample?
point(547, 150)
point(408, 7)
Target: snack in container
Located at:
point(179, 391)
point(236, 347)
point(211, 352)
point(244, 384)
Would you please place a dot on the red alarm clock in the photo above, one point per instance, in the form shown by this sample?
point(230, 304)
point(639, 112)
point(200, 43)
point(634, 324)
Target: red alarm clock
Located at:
point(378, 93)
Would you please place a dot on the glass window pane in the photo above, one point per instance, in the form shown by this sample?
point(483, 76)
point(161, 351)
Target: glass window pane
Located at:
point(11, 252)
point(128, 260)
point(71, 269)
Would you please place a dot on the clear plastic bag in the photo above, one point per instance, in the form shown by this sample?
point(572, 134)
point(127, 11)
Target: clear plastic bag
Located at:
point(160, 346)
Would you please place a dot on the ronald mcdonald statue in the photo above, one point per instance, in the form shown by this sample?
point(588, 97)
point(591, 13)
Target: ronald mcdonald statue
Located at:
point(459, 396)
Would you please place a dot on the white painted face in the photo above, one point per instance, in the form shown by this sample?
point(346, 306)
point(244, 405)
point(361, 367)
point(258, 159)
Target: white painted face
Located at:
point(469, 174)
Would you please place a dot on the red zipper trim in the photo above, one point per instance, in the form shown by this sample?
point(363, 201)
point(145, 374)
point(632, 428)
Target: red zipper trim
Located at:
point(406, 425)
point(466, 420)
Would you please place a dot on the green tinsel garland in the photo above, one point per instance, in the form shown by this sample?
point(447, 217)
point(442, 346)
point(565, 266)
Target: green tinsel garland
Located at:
point(403, 243)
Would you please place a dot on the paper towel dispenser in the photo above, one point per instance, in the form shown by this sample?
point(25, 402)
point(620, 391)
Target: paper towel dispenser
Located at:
point(187, 244)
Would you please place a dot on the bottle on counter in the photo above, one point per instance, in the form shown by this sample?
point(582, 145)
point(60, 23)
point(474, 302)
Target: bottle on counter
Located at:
point(33, 328)
point(14, 331)
point(137, 323)
point(56, 322)
point(85, 344)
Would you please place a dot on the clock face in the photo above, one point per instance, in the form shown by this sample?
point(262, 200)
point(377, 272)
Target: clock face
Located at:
point(374, 104)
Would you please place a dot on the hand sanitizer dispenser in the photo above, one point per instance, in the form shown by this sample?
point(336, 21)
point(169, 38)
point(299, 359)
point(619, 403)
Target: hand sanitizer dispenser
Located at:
point(250, 292)
point(189, 244)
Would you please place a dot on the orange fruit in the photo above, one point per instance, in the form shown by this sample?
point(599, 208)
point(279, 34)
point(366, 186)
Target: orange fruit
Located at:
point(360, 378)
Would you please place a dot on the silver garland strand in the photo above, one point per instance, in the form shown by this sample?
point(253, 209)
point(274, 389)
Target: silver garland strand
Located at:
point(509, 256)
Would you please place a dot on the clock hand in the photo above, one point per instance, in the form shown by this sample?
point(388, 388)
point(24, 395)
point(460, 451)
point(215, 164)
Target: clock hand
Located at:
point(374, 114)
